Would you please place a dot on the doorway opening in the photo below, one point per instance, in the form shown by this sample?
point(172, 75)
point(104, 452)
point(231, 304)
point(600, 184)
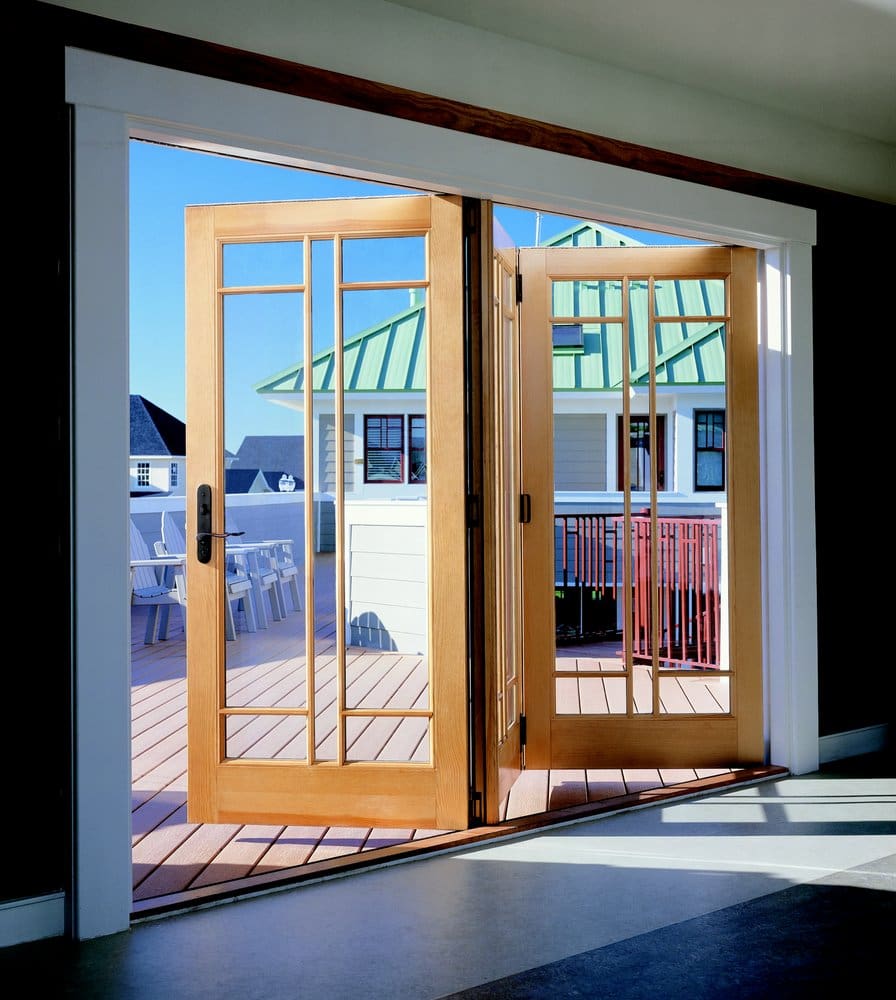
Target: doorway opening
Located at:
point(377, 456)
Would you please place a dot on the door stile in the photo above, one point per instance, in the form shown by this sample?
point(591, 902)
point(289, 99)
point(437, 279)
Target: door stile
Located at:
point(744, 506)
point(505, 684)
point(205, 634)
point(627, 595)
point(653, 567)
point(339, 490)
point(308, 464)
point(447, 509)
point(537, 475)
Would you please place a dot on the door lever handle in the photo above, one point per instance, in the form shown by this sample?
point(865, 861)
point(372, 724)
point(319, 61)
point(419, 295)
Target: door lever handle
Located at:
point(204, 533)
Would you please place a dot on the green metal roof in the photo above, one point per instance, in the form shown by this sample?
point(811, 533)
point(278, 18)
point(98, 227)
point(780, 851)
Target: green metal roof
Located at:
point(589, 234)
point(391, 357)
point(388, 357)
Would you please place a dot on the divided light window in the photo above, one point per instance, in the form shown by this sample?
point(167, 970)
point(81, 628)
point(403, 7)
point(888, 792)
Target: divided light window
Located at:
point(383, 449)
point(639, 446)
point(143, 473)
point(709, 450)
point(173, 478)
point(417, 448)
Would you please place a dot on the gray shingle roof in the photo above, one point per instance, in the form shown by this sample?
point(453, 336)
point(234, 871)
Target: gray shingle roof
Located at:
point(154, 431)
point(272, 451)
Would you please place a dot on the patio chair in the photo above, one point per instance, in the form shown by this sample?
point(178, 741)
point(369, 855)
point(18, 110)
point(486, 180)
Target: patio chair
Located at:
point(236, 577)
point(157, 583)
point(260, 561)
point(282, 558)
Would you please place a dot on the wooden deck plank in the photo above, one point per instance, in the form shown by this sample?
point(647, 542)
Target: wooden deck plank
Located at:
point(642, 689)
point(593, 696)
point(640, 779)
point(566, 788)
point(187, 861)
point(677, 775)
point(386, 838)
point(528, 795)
point(405, 740)
point(339, 841)
point(292, 846)
point(614, 688)
point(157, 846)
point(698, 695)
point(672, 698)
point(604, 783)
point(238, 858)
point(567, 695)
point(154, 811)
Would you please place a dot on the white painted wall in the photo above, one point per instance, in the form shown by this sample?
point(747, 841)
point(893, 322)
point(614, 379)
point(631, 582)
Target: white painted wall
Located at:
point(381, 41)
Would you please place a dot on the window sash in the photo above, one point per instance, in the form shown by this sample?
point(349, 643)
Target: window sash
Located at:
point(384, 449)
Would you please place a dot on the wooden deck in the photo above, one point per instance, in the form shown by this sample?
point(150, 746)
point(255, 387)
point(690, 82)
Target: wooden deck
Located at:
point(174, 860)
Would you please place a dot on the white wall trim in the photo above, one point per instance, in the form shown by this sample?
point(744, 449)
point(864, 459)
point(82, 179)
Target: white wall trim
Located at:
point(114, 97)
point(102, 754)
point(870, 739)
point(33, 919)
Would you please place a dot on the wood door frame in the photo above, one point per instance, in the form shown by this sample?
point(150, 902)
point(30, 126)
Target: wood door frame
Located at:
point(562, 741)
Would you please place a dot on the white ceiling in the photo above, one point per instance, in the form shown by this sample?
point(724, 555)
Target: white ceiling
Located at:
point(828, 61)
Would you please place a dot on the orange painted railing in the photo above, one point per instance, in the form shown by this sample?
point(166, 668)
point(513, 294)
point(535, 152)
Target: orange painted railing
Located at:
point(589, 581)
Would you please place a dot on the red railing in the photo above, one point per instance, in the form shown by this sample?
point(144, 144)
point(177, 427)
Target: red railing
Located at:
point(589, 580)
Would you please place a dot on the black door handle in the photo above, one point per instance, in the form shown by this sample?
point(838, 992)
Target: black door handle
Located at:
point(204, 523)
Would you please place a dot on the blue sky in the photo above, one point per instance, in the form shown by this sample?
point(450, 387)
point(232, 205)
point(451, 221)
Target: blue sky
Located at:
point(163, 181)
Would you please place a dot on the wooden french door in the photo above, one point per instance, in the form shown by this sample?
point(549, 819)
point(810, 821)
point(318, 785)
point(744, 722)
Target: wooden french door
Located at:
point(642, 631)
point(334, 328)
point(502, 528)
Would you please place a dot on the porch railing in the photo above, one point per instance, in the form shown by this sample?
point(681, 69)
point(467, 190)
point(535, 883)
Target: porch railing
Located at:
point(589, 581)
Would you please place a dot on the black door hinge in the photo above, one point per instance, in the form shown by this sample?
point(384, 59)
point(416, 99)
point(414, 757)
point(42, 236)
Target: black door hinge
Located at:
point(519, 288)
point(476, 804)
point(471, 217)
point(472, 510)
point(522, 730)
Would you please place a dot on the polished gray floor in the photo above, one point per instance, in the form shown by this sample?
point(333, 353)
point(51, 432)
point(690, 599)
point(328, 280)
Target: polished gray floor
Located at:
point(779, 889)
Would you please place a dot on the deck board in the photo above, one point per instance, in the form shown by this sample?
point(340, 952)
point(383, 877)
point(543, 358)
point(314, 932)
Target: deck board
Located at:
point(171, 856)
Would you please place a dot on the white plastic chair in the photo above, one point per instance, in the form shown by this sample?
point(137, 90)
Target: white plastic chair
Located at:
point(157, 584)
point(279, 554)
point(236, 576)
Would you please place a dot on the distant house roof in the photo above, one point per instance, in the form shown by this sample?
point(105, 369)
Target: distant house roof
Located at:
point(155, 431)
point(238, 480)
point(590, 234)
point(387, 357)
point(271, 451)
point(390, 356)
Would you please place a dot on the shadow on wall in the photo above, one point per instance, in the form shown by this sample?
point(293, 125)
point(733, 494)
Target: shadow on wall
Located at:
point(369, 631)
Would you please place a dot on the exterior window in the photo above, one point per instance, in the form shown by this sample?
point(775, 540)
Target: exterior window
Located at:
point(709, 450)
point(568, 337)
point(173, 478)
point(638, 444)
point(417, 449)
point(383, 449)
point(143, 473)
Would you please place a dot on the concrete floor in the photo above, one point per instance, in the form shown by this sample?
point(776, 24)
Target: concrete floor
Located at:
point(786, 888)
